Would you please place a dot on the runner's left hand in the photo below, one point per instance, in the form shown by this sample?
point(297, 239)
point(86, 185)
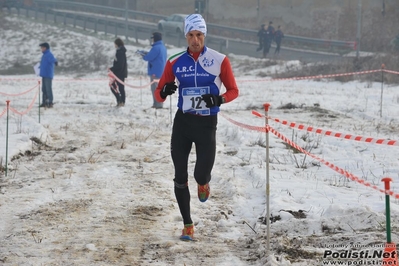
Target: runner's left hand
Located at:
point(212, 100)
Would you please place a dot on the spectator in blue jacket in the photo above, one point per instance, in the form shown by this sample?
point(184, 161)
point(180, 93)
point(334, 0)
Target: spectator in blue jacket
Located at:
point(156, 58)
point(47, 64)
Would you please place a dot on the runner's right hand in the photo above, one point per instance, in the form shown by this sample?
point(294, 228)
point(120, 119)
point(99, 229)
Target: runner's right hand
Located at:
point(168, 89)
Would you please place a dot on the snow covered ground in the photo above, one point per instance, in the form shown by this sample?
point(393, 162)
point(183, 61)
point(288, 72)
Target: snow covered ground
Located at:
point(95, 186)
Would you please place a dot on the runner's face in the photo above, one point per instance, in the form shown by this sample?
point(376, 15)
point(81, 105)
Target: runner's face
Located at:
point(195, 41)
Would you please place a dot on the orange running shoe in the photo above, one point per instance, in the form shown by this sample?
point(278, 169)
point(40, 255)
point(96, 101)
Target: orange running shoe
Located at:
point(203, 192)
point(187, 232)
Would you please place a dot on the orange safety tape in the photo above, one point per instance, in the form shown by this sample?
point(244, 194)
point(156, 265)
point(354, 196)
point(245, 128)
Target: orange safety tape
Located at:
point(238, 80)
point(112, 75)
point(113, 84)
point(332, 133)
point(29, 107)
point(18, 79)
point(3, 112)
point(391, 71)
point(88, 79)
point(261, 129)
point(19, 94)
point(58, 79)
point(314, 77)
point(332, 166)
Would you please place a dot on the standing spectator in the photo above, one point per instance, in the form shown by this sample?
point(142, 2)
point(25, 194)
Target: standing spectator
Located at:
point(200, 72)
point(278, 36)
point(261, 36)
point(270, 29)
point(156, 58)
point(268, 39)
point(47, 64)
point(119, 68)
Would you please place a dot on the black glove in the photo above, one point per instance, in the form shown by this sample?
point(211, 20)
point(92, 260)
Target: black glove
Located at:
point(56, 63)
point(212, 100)
point(168, 89)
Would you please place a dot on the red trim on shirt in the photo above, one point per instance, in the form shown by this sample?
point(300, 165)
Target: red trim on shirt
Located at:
point(195, 55)
point(228, 80)
point(167, 76)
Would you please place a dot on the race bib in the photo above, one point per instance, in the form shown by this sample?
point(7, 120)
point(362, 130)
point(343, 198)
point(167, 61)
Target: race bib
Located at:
point(192, 100)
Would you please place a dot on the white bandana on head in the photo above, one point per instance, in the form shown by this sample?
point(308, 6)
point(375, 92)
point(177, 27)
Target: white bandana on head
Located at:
point(194, 22)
